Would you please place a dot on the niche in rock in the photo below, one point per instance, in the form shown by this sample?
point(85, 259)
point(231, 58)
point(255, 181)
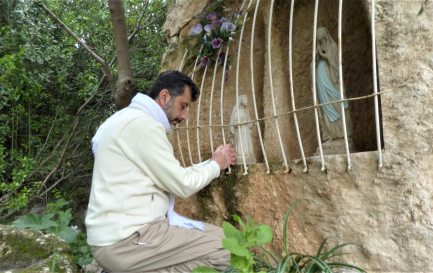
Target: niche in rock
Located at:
point(357, 75)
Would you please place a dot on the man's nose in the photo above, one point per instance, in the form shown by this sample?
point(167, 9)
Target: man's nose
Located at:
point(184, 115)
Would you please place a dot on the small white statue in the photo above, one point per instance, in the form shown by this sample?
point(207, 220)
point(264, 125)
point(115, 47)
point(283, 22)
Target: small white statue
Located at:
point(242, 134)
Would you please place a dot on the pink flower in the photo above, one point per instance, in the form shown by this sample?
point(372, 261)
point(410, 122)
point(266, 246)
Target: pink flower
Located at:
point(217, 43)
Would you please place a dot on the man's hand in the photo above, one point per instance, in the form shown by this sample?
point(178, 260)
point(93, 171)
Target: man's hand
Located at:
point(224, 155)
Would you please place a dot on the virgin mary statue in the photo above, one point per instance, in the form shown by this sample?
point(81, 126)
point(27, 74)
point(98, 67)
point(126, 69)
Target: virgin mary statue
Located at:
point(327, 87)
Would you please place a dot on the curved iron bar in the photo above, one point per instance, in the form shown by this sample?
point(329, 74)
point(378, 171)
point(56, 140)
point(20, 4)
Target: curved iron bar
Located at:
point(313, 84)
point(237, 93)
point(295, 116)
point(376, 99)
point(272, 87)
point(340, 73)
point(211, 101)
point(253, 91)
point(177, 125)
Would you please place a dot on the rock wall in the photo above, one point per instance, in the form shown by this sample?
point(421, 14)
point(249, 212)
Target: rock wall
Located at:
point(388, 210)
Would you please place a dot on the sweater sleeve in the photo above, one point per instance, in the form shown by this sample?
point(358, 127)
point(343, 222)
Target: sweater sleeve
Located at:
point(148, 147)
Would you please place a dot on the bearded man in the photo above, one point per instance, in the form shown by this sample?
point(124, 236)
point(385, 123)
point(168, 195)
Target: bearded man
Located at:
point(131, 225)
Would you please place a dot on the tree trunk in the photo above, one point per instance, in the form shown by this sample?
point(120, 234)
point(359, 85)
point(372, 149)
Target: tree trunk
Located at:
point(124, 89)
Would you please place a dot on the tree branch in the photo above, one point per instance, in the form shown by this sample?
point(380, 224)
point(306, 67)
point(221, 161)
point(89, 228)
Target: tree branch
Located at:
point(124, 91)
point(137, 25)
point(62, 156)
point(67, 137)
point(99, 59)
point(48, 136)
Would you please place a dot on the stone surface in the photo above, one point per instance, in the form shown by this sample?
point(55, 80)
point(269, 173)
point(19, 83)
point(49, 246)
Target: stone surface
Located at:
point(386, 211)
point(30, 251)
point(181, 12)
point(93, 267)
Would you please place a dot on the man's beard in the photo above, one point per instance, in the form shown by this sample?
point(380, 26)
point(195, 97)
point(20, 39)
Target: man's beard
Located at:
point(168, 110)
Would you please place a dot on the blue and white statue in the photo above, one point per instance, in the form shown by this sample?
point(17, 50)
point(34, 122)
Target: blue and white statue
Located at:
point(327, 87)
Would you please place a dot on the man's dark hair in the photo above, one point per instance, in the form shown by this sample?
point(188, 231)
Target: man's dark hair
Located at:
point(174, 81)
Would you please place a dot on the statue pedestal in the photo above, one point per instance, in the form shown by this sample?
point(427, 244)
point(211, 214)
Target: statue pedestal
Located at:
point(335, 147)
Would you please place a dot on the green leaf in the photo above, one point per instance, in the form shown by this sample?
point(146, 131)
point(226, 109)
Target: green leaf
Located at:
point(233, 246)
point(67, 234)
point(322, 245)
point(334, 251)
point(264, 234)
point(239, 262)
point(343, 265)
point(204, 269)
point(84, 249)
point(316, 265)
point(231, 232)
point(283, 265)
point(34, 221)
point(82, 261)
point(65, 217)
point(286, 221)
point(239, 220)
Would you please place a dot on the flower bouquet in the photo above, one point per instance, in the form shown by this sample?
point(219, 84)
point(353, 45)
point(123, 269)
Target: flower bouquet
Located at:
point(214, 31)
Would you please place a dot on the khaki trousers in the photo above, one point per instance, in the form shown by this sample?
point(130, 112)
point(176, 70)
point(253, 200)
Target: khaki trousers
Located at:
point(160, 247)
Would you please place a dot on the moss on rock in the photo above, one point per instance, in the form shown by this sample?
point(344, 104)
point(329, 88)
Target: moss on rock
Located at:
point(25, 250)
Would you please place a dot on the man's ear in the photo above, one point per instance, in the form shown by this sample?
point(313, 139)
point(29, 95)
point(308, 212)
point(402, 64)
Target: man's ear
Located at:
point(163, 97)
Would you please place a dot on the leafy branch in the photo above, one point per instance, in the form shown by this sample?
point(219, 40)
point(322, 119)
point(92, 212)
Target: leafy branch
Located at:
point(99, 59)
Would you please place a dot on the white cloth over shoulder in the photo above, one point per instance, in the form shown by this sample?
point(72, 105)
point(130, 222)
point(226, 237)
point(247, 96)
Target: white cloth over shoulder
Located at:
point(147, 104)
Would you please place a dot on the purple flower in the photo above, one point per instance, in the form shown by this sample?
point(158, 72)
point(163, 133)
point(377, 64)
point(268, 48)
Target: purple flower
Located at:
point(217, 43)
point(197, 29)
point(212, 16)
point(204, 61)
point(208, 28)
point(228, 27)
point(216, 24)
